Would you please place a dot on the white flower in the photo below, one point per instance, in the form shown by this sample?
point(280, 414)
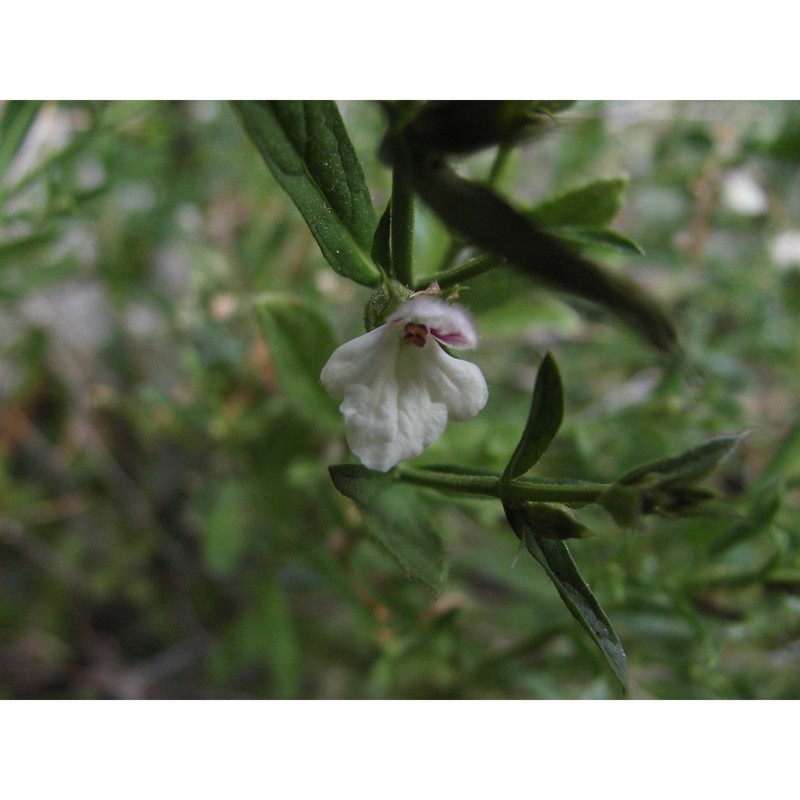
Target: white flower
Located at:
point(785, 249)
point(400, 387)
point(742, 194)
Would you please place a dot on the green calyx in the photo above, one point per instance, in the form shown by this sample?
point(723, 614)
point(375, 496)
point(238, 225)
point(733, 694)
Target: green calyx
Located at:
point(385, 300)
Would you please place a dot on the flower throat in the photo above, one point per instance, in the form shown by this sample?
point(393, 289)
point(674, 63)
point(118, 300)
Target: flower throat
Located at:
point(415, 333)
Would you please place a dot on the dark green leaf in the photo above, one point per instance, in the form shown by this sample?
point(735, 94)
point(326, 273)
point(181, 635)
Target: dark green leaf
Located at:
point(306, 146)
point(553, 521)
point(684, 501)
point(555, 557)
point(17, 118)
point(462, 126)
point(76, 145)
point(683, 469)
point(597, 237)
point(397, 518)
point(484, 218)
point(786, 145)
point(24, 246)
point(731, 576)
point(300, 341)
point(784, 580)
point(544, 420)
point(382, 241)
point(594, 204)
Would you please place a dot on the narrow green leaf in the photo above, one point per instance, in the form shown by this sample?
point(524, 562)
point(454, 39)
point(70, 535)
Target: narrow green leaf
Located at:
point(300, 341)
point(683, 469)
point(555, 558)
point(553, 521)
point(463, 272)
point(784, 580)
point(482, 217)
point(684, 501)
point(731, 576)
point(463, 126)
point(593, 204)
point(402, 228)
point(15, 122)
point(306, 146)
point(786, 145)
point(76, 145)
point(24, 246)
point(263, 634)
point(544, 420)
point(382, 241)
point(397, 519)
point(224, 534)
point(596, 237)
point(284, 652)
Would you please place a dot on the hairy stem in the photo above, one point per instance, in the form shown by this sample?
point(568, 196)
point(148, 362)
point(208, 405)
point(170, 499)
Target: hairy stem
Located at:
point(402, 228)
point(490, 486)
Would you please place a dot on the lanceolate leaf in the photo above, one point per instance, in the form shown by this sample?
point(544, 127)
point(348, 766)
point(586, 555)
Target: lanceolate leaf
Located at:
point(482, 217)
point(462, 126)
point(15, 121)
point(683, 469)
point(555, 557)
point(596, 237)
point(553, 521)
point(23, 247)
point(463, 272)
point(595, 203)
point(544, 420)
point(306, 146)
point(395, 517)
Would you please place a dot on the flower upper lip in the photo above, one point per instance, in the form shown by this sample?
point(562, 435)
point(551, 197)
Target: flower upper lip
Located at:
point(400, 389)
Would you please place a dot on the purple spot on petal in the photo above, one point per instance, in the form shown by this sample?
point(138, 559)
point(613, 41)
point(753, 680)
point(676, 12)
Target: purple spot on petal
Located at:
point(454, 338)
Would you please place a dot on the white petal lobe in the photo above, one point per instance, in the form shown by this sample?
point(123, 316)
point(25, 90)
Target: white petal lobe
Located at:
point(399, 392)
point(359, 361)
point(458, 384)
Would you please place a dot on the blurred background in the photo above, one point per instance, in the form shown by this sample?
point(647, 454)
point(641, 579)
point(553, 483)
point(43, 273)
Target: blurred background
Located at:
point(168, 528)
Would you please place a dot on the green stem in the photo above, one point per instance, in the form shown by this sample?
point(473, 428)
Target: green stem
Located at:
point(490, 486)
point(463, 272)
point(402, 228)
point(499, 165)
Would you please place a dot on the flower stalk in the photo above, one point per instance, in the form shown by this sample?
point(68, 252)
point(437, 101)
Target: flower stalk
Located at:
point(514, 490)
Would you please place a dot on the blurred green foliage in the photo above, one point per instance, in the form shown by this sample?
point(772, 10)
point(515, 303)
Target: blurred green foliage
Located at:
point(168, 527)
